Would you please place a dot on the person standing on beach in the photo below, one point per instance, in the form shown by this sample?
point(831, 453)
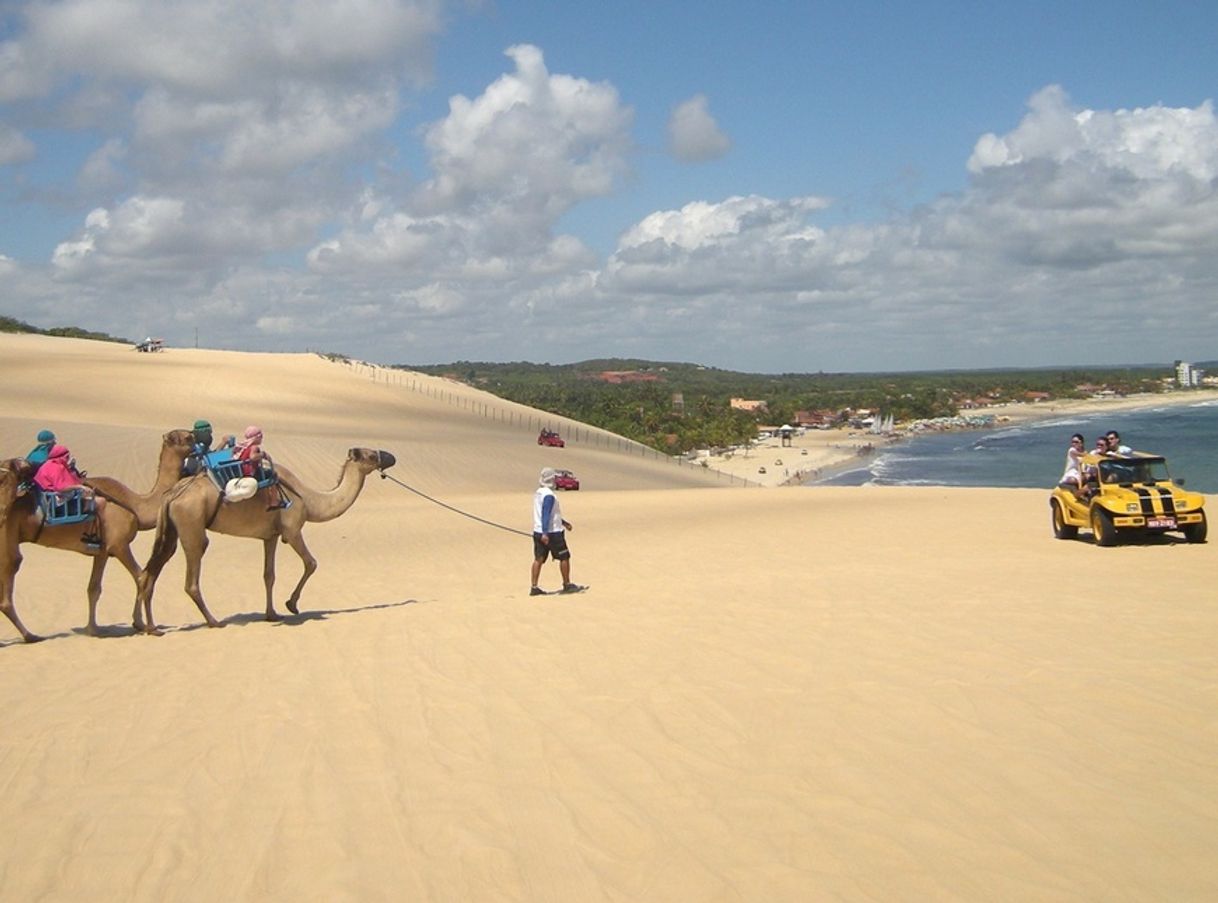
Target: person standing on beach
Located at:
point(549, 536)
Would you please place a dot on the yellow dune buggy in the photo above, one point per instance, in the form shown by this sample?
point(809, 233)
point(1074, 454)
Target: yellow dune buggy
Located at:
point(1124, 497)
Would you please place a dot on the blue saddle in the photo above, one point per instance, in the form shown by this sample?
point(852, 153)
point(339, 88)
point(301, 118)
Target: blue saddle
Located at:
point(222, 467)
point(71, 506)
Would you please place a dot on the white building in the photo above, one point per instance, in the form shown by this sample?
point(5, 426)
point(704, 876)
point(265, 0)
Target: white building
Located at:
point(1187, 375)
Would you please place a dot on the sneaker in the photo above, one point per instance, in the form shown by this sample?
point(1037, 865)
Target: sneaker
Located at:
point(537, 591)
point(92, 540)
point(573, 588)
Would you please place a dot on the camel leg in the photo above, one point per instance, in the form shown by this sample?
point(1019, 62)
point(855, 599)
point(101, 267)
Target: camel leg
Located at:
point(193, 548)
point(296, 541)
point(268, 577)
point(95, 585)
point(163, 549)
point(127, 560)
point(8, 577)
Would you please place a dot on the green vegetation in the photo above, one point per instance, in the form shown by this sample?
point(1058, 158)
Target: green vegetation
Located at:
point(9, 324)
point(642, 405)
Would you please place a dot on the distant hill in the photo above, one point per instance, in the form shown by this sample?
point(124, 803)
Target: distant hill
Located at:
point(674, 406)
point(10, 324)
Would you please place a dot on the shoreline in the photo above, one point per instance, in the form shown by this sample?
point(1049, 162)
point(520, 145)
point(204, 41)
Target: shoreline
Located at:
point(817, 455)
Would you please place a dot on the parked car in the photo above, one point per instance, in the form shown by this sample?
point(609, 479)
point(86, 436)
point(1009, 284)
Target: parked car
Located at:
point(551, 438)
point(564, 479)
point(1125, 497)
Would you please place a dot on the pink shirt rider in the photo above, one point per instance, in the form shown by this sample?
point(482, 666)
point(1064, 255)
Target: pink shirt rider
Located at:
point(57, 474)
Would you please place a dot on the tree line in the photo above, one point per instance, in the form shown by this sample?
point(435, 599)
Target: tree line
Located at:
point(675, 407)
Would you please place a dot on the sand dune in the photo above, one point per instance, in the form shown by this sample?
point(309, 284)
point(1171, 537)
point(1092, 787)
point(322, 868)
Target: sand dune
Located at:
point(788, 694)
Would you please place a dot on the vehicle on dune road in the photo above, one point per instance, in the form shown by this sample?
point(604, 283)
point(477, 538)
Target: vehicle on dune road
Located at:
point(550, 438)
point(1126, 497)
point(564, 479)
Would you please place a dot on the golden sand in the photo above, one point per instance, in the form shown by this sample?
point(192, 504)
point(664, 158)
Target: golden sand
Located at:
point(788, 695)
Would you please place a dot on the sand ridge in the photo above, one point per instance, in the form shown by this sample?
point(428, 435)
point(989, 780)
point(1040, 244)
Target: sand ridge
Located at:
point(839, 694)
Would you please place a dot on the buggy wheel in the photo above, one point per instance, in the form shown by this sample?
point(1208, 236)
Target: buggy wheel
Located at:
point(1196, 532)
point(1101, 526)
point(1061, 529)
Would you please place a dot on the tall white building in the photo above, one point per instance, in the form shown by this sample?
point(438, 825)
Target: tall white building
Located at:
point(1188, 375)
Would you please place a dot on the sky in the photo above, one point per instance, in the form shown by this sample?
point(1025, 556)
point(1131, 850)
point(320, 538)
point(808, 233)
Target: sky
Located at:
point(769, 187)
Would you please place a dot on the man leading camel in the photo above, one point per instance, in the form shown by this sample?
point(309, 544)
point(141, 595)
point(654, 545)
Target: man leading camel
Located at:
point(549, 534)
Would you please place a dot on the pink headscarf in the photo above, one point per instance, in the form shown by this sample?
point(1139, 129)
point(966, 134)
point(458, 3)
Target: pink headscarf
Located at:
point(252, 435)
point(58, 451)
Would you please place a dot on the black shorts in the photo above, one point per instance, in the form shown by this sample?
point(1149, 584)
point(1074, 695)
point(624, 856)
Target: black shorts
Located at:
point(557, 547)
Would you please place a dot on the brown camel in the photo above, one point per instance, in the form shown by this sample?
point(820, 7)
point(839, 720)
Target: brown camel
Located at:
point(196, 506)
point(117, 524)
point(15, 474)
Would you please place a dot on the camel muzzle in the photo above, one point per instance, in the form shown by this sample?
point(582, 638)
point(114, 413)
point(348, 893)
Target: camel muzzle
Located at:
point(387, 460)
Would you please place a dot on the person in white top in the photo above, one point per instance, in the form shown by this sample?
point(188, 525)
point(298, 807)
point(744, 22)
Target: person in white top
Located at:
point(1073, 474)
point(1113, 438)
point(549, 534)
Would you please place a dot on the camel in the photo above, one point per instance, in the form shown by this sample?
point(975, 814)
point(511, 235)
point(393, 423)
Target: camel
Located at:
point(128, 513)
point(15, 473)
point(196, 506)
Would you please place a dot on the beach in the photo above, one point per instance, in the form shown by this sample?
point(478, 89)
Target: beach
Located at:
point(890, 693)
point(812, 454)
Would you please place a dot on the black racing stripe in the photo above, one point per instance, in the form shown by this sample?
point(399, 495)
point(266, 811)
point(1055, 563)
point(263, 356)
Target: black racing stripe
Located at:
point(1169, 504)
point(1148, 505)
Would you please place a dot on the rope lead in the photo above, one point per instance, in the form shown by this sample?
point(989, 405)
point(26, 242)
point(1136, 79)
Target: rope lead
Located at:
point(481, 520)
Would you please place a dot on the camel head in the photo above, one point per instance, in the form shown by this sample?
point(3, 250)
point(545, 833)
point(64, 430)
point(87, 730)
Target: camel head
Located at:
point(15, 476)
point(179, 440)
point(18, 472)
point(370, 459)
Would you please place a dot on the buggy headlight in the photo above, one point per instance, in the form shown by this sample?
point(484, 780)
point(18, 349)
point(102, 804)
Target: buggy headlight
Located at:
point(1131, 507)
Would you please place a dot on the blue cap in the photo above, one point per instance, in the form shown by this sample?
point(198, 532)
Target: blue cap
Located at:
point(46, 436)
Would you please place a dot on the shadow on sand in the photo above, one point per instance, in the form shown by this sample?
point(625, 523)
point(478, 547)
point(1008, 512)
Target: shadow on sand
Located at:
point(254, 617)
point(110, 631)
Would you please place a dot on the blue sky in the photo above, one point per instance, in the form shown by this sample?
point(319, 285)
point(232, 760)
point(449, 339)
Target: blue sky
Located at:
point(770, 187)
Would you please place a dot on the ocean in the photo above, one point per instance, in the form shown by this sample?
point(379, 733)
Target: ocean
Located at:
point(1032, 455)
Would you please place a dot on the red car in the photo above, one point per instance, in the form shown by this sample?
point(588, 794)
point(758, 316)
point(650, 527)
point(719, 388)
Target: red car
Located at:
point(549, 437)
point(564, 479)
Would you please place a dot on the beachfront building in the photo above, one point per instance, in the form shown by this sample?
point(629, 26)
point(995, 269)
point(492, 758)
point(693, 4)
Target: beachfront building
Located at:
point(1188, 376)
point(749, 405)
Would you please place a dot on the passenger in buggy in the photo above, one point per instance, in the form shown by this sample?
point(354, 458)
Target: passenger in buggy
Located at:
point(59, 475)
point(257, 463)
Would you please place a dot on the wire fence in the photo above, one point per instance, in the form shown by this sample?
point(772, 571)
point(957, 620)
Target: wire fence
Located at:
point(573, 432)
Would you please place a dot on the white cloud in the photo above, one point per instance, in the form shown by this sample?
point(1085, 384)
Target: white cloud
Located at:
point(102, 171)
point(693, 133)
point(240, 111)
point(1148, 143)
point(14, 146)
point(250, 187)
point(507, 164)
point(532, 140)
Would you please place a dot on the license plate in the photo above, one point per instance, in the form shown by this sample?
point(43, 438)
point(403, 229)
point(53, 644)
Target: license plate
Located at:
point(1161, 523)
